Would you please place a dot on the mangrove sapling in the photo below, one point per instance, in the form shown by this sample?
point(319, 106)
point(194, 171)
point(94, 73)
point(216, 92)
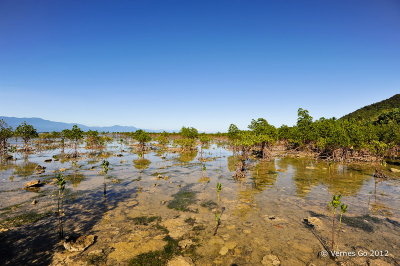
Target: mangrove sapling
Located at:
point(218, 220)
point(219, 189)
point(105, 164)
point(343, 209)
point(60, 203)
point(218, 213)
point(121, 143)
point(335, 203)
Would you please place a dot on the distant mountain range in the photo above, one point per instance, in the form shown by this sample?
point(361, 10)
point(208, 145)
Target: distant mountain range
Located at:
point(369, 112)
point(43, 125)
point(372, 111)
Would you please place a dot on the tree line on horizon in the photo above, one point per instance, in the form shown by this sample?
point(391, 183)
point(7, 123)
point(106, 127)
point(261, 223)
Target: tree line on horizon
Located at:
point(330, 138)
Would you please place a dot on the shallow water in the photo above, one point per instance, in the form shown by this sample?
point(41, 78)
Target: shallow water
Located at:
point(261, 218)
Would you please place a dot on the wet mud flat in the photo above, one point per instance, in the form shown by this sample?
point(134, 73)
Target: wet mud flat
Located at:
point(167, 210)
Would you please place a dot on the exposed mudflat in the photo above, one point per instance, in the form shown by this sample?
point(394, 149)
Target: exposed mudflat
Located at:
point(164, 209)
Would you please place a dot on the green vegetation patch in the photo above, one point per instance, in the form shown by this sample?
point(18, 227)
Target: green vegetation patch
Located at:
point(141, 164)
point(182, 200)
point(209, 204)
point(26, 218)
point(145, 220)
point(372, 111)
point(95, 259)
point(75, 178)
point(158, 258)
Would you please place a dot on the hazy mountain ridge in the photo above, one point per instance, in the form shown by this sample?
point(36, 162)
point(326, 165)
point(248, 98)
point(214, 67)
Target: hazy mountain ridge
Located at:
point(43, 125)
point(372, 111)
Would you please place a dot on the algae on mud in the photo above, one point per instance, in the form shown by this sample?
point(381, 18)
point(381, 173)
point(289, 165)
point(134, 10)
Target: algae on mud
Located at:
point(182, 200)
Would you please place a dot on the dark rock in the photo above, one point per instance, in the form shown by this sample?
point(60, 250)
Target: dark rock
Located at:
point(79, 244)
point(33, 183)
point(40, 169)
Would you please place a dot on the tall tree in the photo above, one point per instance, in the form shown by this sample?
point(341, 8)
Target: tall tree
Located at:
point(264, 132)
point(6, 132)
point(75, 135)
point(26, 132)
point(189, 132)
point(142, 137)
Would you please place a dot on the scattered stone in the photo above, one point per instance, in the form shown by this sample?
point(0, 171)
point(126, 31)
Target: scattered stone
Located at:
point(132, 203)
point(224, 250)
point(247, 223)
point(40, 169)
point(395, 170)
point(226, 236)
point(163, 202)
point(311, 167)
point(270, 260)
point(313, 222)
point(48, 160)
point(165, 177)
point(380, 174)
point(120, 155)
point(62, 169)
point(180, 261)
point(185, 243)
point(228, 246)
point(34, 202)
point(79, 244)
point(216, 240)
point(33, 183)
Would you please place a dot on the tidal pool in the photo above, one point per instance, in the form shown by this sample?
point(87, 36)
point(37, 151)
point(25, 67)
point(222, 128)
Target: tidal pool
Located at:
point(164, 208)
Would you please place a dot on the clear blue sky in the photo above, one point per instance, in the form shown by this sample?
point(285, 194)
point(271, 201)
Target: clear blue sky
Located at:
point(165, 64)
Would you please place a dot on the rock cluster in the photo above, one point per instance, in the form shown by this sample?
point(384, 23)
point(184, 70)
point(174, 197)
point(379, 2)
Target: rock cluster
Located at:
point(79, 244)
